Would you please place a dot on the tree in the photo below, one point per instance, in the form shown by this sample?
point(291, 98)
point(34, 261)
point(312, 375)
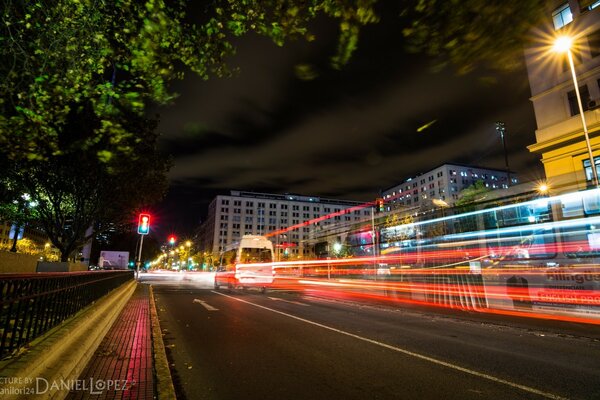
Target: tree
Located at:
point(122, 55)
point(75, 190)
point(77, 77)
point(473, 32)
point(472, 194)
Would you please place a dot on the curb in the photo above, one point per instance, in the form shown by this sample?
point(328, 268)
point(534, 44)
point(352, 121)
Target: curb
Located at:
point(60, 355)
point(164, 381)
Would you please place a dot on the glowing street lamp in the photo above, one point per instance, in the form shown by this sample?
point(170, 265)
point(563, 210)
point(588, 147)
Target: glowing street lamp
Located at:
point(563, 45)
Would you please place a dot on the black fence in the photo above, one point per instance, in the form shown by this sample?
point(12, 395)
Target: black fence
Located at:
point(32, 304)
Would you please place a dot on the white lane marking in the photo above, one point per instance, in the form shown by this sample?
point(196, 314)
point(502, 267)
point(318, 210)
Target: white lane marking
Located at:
point(288, 301)
point(409, 353)
point(205, 305)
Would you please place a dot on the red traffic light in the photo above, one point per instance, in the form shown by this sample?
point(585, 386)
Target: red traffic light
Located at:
point(171, 240)
point(144, 224)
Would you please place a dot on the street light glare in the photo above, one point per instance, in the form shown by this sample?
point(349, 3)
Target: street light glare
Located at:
point(562, 44)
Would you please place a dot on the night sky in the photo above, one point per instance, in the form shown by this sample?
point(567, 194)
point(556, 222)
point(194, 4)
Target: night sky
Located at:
point(344, 134)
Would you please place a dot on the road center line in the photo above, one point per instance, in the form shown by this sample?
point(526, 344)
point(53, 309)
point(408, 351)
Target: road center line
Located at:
point(205, 305)
point(407, 352)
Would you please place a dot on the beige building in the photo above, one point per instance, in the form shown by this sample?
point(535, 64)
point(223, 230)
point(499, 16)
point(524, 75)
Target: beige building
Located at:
point(251, 213)
point(560, 139)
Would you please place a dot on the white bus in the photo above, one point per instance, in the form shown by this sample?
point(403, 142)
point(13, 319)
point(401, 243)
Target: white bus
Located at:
point(247, 263)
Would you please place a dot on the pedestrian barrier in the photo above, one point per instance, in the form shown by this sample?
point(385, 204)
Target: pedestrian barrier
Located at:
point(32, 304)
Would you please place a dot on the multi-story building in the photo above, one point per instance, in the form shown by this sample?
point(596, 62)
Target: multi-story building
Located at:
point(560, 139)
point(290, 221)
point(444, 183)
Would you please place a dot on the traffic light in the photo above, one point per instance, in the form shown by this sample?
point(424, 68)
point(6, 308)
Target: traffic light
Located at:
point(144, 224)
point(380, 205)
point(171, 240)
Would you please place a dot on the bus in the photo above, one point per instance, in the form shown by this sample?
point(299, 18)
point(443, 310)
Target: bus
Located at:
point(247, 263)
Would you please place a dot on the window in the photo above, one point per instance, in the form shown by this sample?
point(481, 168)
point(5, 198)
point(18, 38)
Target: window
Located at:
point(585, 99)
point(589, 4)
point(589, 177)
point(594, 43)
point(562, 16)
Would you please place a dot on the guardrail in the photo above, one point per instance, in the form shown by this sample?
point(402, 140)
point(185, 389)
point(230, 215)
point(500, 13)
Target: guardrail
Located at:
point(32, 304)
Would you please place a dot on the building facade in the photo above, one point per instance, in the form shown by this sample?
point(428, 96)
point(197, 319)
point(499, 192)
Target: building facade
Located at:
point(444, 183)
point(560, 139)
point(290, 221)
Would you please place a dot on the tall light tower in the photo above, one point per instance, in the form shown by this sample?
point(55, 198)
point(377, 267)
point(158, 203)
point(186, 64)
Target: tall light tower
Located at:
point(501, 129)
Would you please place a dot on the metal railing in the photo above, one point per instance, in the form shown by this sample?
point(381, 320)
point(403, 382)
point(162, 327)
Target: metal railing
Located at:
point(32, 304)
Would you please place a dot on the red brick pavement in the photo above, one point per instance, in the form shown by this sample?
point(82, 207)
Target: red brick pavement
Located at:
point(122, 366)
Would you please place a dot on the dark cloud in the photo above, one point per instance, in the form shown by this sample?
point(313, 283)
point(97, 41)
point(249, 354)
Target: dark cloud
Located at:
point(344, 134)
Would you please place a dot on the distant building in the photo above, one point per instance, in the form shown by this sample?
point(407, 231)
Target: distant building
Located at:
point(559, 136)
point(444, 183)
point(244, 213)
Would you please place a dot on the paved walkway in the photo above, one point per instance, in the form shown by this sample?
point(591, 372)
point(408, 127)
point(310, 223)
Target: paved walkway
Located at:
point(122, 366)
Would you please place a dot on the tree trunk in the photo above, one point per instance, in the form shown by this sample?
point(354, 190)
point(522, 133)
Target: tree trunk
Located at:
point(15, 238)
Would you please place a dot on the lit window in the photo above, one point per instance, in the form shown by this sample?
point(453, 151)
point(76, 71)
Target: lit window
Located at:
point(562, 16)
point(588, 169)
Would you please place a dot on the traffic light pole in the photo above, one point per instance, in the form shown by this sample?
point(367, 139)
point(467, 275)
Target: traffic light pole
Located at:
point(139, 258)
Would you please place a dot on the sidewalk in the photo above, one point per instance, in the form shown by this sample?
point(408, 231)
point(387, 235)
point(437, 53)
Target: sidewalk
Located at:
point(122, 366)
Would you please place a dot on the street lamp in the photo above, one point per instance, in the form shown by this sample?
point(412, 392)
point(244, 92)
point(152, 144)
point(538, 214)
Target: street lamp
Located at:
point(563, 45)
point(543, 188)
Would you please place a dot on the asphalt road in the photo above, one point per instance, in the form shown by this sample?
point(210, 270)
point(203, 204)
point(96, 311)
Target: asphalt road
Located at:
point(280, 345)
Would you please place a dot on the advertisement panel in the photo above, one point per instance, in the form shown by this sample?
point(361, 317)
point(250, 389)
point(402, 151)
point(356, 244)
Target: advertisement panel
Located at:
point(573, 290)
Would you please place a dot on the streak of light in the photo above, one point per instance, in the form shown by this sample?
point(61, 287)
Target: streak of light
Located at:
point(427, 125)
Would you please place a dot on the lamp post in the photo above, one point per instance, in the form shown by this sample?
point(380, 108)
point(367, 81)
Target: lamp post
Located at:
point(563, 45)
point(501, 129)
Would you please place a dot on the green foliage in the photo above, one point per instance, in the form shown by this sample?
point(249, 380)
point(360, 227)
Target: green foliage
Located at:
point(472, 194)
point(76, 77)
point(122, 55)
point(75, 189)
point(472, 32)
